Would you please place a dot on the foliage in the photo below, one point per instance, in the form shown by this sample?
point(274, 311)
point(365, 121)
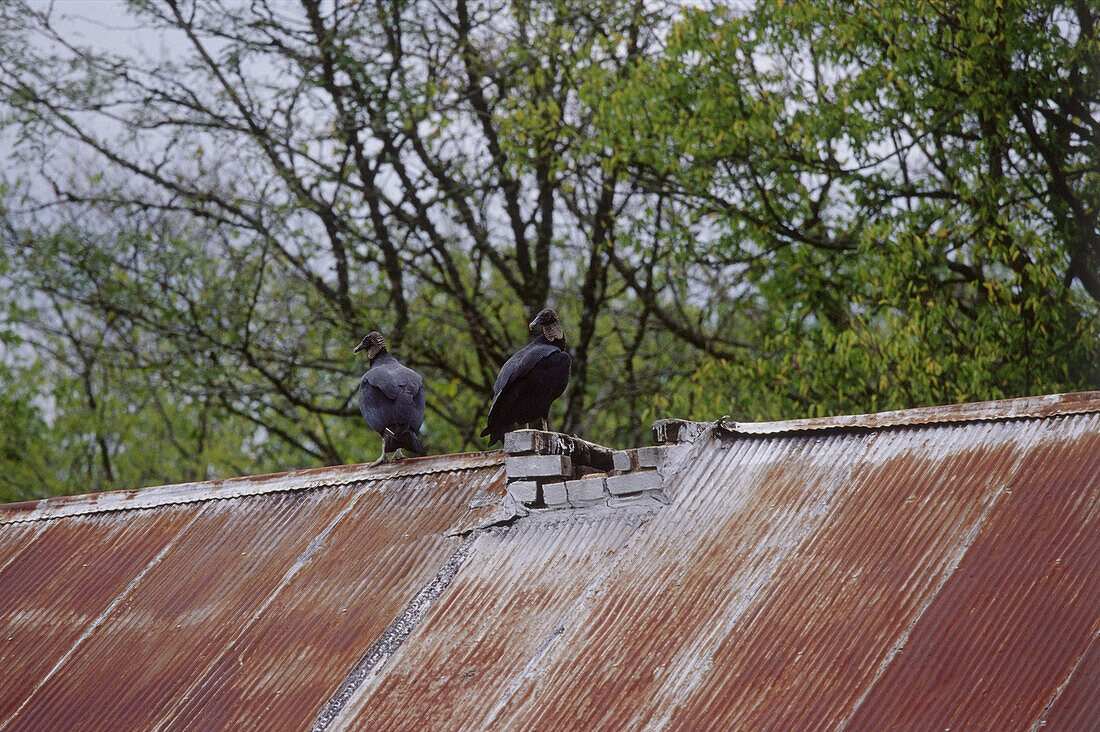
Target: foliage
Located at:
point(908, 192)
point(788, 210)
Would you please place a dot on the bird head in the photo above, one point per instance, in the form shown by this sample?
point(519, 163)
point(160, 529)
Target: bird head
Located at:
point(373, 343)
point(551, 326)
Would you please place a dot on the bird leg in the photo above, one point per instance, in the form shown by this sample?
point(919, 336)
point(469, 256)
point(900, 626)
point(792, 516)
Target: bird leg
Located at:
point(381, 458)
point(545, 425)
point(397, 455)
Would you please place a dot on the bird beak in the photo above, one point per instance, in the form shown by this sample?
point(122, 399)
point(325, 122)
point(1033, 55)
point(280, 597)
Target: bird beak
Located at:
point(359, 348)
point(532, 324)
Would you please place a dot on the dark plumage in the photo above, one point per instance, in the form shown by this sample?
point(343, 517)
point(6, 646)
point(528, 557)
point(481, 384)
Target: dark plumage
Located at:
point(530, 380)
point(391, 398)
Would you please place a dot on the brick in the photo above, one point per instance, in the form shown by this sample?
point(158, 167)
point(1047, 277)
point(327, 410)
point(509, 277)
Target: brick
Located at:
point(650, 457)
point(520, 441)
point(635, 482)
point(537, 466)
point(624, 460)
point(586, 491)
point(524, 491)
point(554, 495)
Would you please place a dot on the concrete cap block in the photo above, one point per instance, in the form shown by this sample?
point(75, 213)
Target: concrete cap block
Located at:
point(524, 491)
point(554, 495)
point(635, 482)
point(625, 460)
point(650, 457)
point(520, 441)
point(537, 466)
point(537, 442)
point(586, 491)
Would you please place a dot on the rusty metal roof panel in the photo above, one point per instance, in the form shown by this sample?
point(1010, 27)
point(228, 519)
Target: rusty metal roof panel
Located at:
point(1077, 705)
point(515, 594)
point(220, 608)
point(785, 586)
point(55, 592)
point(839, 612)
point(917, 570)
point(1008, 629)
point(642, 644)
point(15, 539)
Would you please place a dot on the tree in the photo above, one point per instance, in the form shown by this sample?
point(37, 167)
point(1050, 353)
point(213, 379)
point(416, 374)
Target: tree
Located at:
point(782, 210)
point(906, 193)
point(297, 176)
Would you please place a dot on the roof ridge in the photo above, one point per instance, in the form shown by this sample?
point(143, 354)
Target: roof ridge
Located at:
point(221, 489)
point(1032, 407)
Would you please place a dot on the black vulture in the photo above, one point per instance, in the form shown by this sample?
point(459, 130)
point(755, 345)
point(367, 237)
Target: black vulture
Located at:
point(391, 398)
point(530, 380)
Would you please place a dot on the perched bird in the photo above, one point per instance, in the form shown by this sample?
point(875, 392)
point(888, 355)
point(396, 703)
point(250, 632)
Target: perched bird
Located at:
point(530, 380)
point(391, 398)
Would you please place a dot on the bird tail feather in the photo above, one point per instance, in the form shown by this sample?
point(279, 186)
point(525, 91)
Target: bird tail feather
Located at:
point(404, 438)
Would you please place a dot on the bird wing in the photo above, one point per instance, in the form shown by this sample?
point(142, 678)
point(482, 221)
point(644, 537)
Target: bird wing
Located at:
point(392, 395)
point(528, 382)
point(521, 363)
point(552, 372)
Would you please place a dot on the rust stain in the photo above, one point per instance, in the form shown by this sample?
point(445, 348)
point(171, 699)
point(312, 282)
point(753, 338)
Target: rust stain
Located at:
point(55, 588)
point(14, 539)
point(370, 566)
point(1022, 608)
point(828, 620)
point(185, 612)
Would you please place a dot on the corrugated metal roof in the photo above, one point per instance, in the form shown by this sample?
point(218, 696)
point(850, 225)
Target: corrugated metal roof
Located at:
point(922, 569)
point(237, 604)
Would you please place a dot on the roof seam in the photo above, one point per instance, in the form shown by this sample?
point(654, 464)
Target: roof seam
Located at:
point(392, 638)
